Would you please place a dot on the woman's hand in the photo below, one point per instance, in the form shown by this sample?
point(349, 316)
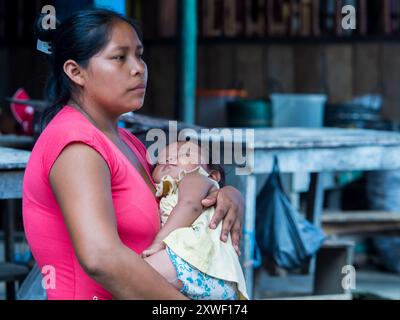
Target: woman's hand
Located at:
point(229, 208)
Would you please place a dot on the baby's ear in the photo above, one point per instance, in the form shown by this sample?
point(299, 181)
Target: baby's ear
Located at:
point(215, 175)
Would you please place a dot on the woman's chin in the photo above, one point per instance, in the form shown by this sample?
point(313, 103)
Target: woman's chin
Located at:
point(135, 106)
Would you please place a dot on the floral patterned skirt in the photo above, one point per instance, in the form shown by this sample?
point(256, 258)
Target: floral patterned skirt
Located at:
point(200, 286)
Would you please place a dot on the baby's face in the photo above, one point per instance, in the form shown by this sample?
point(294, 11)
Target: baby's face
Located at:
point(175, 158)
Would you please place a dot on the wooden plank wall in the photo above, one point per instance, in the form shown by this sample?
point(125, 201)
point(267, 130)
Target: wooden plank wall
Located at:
point(340, 70)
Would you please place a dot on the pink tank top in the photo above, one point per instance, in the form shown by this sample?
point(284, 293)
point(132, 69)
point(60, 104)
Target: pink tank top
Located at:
point(136, 208)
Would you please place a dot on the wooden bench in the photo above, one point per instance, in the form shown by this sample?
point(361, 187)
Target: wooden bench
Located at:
point(11, 272)
point(354, 222)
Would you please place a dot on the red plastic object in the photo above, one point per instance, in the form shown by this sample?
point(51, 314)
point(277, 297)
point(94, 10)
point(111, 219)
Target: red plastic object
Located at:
point(23, 113)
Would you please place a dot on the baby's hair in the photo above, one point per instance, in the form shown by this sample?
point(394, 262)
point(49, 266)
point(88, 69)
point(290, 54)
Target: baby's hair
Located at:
point(221, 170)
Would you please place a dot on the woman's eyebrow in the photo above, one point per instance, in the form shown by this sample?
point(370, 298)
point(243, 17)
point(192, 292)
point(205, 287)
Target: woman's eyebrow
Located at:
point(126, 48)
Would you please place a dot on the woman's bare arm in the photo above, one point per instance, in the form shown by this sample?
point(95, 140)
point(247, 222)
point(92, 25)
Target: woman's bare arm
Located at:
point(80, 180)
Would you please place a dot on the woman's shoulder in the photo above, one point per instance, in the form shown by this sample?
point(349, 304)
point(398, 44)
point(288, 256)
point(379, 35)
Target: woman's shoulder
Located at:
point(70, 126)
point(68, 122)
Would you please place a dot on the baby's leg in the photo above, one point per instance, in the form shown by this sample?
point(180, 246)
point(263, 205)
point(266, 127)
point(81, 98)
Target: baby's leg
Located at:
point(161, 262)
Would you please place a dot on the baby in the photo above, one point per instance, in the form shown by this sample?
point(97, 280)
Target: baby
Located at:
point(186, 251)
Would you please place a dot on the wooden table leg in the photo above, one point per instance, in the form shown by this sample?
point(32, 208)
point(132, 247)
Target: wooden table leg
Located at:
point(249, 232)
point(315, 202)
point(315, 199)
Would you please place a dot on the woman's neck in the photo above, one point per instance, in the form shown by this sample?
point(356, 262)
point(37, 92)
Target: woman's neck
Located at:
point(105, 122)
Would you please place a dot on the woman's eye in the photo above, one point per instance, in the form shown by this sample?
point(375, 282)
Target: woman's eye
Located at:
point(119, 58)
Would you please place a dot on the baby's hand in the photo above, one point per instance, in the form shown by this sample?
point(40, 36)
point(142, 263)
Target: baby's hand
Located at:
point(154, 248)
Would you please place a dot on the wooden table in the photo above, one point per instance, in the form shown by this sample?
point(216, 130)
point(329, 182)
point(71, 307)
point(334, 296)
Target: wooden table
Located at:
point(298, 150)
point(16, 141)
point(12, 166)
point(311, 150)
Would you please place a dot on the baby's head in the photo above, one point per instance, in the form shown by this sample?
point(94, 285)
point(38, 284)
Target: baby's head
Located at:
point(185, 155)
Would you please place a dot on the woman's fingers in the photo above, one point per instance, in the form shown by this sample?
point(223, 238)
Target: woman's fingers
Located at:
point(221, 210)
point(236, 234)
point(228, 223)
point(229, 208)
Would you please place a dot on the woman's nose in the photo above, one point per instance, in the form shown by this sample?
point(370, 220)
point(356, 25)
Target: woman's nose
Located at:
point(137, 67)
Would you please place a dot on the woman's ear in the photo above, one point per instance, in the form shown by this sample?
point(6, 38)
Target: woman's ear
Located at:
point(74, 72)
point(215, 175)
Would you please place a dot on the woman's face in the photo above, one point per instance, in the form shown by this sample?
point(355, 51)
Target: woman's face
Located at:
point(116, 77)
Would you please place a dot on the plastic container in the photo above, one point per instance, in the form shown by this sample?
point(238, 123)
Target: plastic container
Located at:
point(298, 110)
point(249, 113)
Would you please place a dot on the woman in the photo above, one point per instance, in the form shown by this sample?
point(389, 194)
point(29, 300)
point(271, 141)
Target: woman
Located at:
point(89, 208)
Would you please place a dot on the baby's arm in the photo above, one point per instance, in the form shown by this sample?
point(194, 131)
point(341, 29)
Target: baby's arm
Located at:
point(192, 189)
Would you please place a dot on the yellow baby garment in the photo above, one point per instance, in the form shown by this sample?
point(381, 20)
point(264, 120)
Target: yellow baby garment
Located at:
point(199, 245)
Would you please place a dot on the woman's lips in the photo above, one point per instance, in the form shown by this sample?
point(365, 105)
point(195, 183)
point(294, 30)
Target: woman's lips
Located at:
point(141, 87)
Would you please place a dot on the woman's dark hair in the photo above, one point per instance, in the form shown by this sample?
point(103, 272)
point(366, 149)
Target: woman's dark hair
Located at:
point(79, 37)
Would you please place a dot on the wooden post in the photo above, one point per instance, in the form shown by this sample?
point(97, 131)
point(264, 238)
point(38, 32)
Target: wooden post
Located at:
point(249, 232)
point(315, 18)
point(209, 19)
point(362, 16)
point(277, 27)
point(338, 18)
point(255, 25)
point(386, 17)
point(188, 59)
point(231, 25)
